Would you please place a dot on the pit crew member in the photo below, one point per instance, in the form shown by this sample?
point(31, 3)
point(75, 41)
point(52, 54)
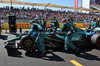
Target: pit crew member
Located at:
point(69, 28)
point(55, 23)
point(44, 23)
point(35, 27)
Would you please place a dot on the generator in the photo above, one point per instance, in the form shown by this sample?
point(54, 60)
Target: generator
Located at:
point(12, 24)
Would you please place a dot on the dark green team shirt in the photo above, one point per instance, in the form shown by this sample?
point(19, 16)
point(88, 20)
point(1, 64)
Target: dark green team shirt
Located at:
point(44, 23)
point(55, 23)
point(68, 26)
point(94, 24)
point(35, 27)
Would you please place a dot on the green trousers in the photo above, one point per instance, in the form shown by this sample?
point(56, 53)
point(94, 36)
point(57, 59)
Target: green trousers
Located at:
point(40, 42)
point(68, 42)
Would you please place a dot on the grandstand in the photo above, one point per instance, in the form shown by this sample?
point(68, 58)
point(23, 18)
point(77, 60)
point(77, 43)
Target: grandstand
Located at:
point(25, 15)
point(91, 4)
point(95, 6)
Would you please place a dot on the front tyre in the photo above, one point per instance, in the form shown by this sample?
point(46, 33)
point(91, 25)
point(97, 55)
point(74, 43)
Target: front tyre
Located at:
point(27, 43)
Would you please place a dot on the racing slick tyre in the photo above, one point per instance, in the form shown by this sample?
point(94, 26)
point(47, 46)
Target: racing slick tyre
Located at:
point(27, 43)
point(95, 39)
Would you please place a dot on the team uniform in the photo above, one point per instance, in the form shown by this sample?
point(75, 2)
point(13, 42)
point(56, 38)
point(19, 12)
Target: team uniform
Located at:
point(55, 24)
point(44, 24)
point(36, 29)
point(94, 24)
point(69, 28)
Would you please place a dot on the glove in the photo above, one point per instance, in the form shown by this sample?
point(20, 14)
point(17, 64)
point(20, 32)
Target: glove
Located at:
point(69, 33)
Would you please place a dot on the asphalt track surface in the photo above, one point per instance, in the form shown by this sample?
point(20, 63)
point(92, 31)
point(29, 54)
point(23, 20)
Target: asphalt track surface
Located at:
point(86, 56)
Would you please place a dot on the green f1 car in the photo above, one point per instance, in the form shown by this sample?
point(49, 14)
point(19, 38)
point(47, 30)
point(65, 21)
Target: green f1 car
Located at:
point(55, 39)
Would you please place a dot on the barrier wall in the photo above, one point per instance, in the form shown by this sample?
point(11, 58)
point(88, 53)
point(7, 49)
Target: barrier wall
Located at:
point(22, 25)
point(27, 25)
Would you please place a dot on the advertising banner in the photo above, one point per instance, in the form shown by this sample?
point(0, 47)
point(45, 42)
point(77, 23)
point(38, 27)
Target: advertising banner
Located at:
point(22, 25)
point(27, 25)
point(76, 5)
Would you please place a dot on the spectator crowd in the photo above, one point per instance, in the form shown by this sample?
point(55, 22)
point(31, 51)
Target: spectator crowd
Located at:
point(46, 13)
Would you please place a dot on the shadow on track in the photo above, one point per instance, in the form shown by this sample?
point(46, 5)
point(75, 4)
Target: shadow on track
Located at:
point(3, 37)
point(83, 53)
point(51, 57)
point(14, 53)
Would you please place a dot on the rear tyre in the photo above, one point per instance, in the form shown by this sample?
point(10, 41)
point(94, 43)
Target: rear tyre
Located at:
point(95, 39)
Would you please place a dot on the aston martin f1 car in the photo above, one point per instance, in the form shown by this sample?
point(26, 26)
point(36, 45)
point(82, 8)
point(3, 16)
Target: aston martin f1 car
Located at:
point(55, 39)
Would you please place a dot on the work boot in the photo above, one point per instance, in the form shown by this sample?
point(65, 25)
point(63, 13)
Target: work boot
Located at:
point(76, 50)
point(43, 54)
point(66, 51)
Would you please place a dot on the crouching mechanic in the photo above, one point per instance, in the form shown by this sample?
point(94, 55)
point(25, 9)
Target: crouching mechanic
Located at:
point(69, 29)
point(37, 29)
